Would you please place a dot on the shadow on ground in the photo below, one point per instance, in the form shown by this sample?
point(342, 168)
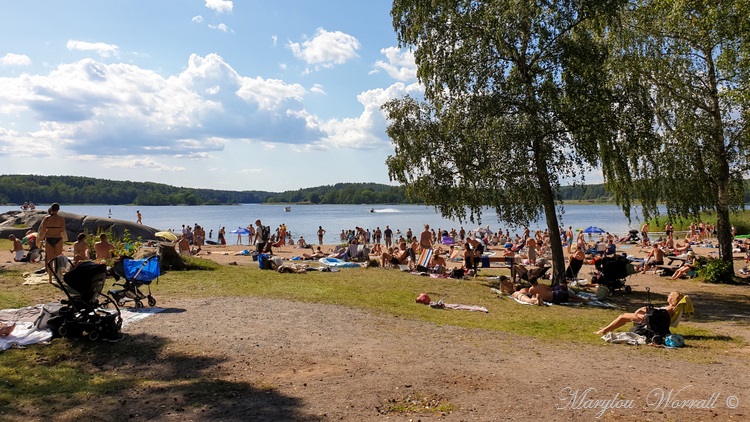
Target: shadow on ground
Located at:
point(139, 378)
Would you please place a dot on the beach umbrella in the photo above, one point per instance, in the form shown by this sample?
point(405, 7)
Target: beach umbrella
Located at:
point(167, 235)
point(240, 230)
point(593, 230)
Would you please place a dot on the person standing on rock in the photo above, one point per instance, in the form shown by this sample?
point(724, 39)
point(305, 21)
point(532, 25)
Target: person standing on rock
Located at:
point(138, 214)
point(52, 232)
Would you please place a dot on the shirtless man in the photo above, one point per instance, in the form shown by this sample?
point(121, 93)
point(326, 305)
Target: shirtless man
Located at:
point(531, 246)
point(654, 258)
point(17, 250)
point(103, 248)
point(80, 249)
point(183, 246)
point(398, 257)
point(438, 263)
point(548, 294)
point(139, 216)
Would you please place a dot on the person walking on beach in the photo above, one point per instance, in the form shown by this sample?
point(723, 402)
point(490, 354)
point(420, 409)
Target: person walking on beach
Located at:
point(321, 232)
point(138, 214)
point(388, 233)
point(264, 234)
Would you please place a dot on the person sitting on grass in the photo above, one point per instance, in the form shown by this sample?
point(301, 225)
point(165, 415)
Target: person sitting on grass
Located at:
point(394, 257)
point(104, 250)
point(558, 294)
point(637, 317)
point(80, 249)
point(686, 266)
point(437, 263)
point(17, 251)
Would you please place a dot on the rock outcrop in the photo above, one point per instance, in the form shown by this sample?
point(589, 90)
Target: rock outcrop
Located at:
point(19, 222)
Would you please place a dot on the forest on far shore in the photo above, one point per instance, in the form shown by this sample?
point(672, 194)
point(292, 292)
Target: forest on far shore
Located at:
point(17, 189)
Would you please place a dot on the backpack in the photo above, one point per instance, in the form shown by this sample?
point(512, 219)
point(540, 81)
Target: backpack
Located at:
point(265, 233)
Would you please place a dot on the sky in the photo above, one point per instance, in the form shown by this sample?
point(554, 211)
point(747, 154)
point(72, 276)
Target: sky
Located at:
point(238, 95)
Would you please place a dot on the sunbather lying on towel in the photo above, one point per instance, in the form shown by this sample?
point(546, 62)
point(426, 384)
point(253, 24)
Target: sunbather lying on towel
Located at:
point(672, 300)
point(558, 294)
point(516, 291)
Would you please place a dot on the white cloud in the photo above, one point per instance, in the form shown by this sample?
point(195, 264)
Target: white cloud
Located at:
point(142, 163)
point(326, 49)
point(368, 129)
point(108, 110)
point(400, 65)
point(220, 6)
point(100, 48)
point(11, 59)
point(220, 27)
point(197, 19)
point(251, 171)
point(318, 89)
point(275, 40)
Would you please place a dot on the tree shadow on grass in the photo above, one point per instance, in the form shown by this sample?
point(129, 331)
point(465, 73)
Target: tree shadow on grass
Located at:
point(139, 378)
point(709, 306)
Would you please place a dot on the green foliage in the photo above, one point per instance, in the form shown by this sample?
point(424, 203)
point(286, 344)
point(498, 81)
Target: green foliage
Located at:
point(515, 101)
point(125, 246)
point(717, 271)
point(681, 70)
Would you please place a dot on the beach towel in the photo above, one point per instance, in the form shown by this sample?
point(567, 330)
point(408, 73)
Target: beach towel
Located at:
point(456, 306)
point(627, 337)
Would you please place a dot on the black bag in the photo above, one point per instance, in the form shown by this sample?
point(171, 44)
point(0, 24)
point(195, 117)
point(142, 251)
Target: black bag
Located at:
point(655, 325)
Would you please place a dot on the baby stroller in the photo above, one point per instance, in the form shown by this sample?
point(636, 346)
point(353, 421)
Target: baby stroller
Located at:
point(613, 270)
point(82, 314)
point(137, 273)
point(632, 237)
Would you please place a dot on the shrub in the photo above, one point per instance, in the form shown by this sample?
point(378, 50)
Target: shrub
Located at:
point(717, 271)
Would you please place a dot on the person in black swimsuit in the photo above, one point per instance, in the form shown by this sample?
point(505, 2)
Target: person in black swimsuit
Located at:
point(53, 233)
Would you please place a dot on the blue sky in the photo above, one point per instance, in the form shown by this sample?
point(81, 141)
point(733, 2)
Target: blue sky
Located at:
point(243, 95)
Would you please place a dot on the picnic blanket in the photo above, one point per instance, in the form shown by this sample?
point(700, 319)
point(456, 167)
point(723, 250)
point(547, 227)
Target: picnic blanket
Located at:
point(26, 333)
point(627, 337)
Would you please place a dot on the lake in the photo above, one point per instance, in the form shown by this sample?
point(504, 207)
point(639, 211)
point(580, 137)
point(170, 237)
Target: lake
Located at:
point(304, 219)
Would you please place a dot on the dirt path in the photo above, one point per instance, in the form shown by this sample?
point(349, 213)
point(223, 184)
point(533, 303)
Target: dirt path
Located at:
point(298, 361)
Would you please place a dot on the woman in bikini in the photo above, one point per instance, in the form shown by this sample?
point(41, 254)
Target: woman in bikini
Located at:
point(672, 300)
point(52, 232)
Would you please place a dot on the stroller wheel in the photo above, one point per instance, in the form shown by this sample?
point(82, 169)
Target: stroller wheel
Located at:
point(151, 301)
point(62, 330)
point(138, 303)
point(94, 335)
point(628, 289)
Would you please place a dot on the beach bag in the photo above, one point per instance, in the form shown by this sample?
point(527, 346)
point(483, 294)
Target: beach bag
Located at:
point(264, 261)
point(602, 292)
point(674, 340)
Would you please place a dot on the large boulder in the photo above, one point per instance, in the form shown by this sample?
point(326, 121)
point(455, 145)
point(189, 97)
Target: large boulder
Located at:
point(19, 222)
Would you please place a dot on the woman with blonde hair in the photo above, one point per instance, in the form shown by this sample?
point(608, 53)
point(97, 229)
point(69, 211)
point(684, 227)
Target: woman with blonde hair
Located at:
point(637, 317)
point(52, 232)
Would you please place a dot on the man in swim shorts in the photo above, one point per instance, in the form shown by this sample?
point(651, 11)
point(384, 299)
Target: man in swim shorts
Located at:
point(17, 248)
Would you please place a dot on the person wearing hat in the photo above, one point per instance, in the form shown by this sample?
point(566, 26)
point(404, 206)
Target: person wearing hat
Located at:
point(686, 267)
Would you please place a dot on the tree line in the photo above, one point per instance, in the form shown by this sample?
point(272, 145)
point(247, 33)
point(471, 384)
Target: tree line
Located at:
point(17, 189)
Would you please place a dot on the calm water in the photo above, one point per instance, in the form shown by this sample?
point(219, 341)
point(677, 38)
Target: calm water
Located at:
point(304, 219)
